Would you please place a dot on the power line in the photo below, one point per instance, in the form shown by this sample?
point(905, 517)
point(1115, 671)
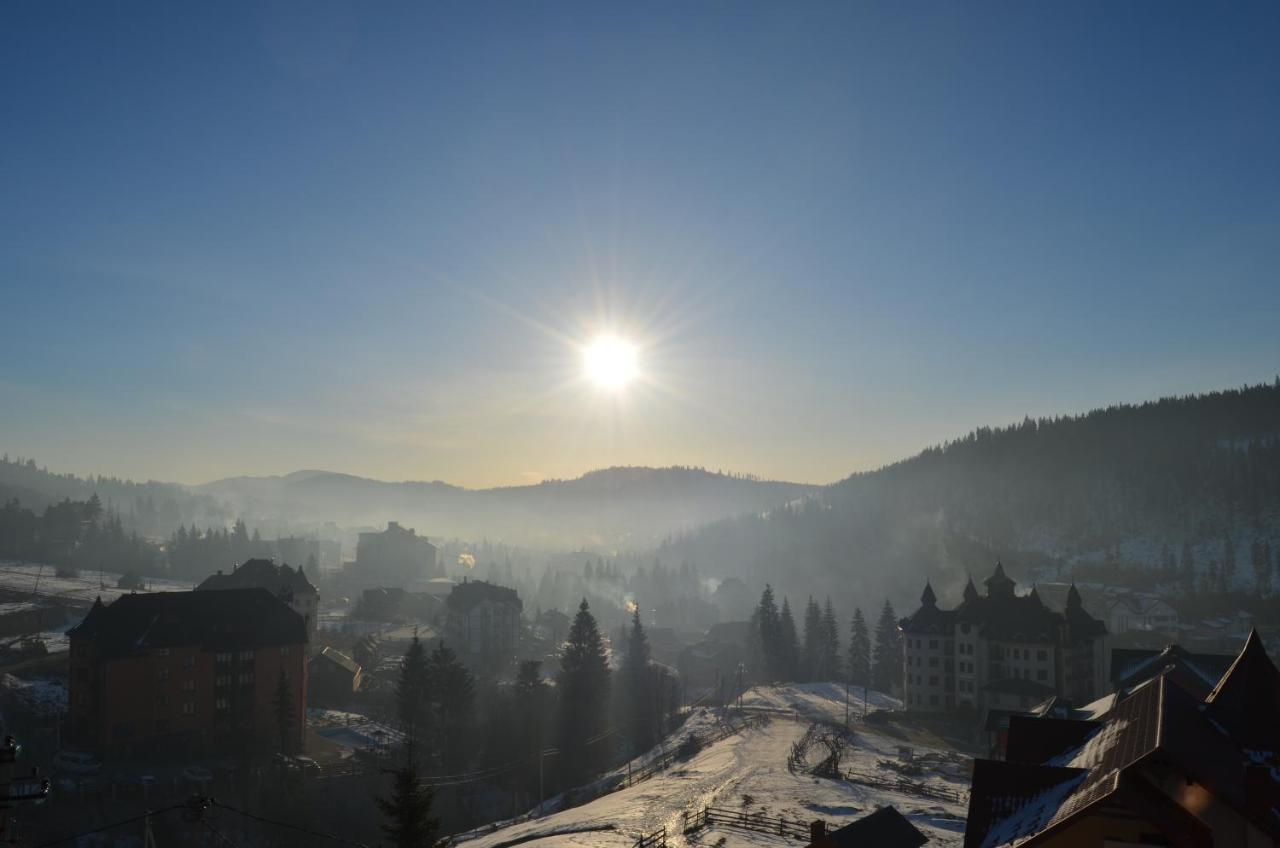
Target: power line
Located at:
point(287, 825)
point(112, 826)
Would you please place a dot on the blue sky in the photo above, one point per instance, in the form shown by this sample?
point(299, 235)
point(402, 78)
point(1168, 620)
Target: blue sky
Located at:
point(368, 237)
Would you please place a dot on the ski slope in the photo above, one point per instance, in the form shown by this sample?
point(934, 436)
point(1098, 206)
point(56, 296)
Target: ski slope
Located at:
point(749, 771)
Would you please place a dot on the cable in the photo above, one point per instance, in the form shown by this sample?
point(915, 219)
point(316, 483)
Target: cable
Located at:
point(112, 826)
point(287, 825)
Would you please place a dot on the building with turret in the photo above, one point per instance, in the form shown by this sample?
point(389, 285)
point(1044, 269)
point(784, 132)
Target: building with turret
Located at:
point(1000, 650)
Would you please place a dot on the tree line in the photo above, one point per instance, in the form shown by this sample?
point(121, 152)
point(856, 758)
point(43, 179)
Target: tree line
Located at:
point(535, 738)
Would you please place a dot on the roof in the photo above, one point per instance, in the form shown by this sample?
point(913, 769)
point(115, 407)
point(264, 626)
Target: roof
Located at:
point(1106, 760)
point(1197, 673)
point(885, 828)
point(339, 659)
point(280, 579)
point(235, 619)
point(469, 593)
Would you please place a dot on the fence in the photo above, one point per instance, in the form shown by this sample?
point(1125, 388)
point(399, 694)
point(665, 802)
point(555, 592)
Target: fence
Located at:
point(910, 787)
point(743, 820)
point(689, 745)
point(657, 839)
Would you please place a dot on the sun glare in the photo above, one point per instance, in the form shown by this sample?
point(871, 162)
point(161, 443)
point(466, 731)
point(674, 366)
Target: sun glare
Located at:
point(610, 362)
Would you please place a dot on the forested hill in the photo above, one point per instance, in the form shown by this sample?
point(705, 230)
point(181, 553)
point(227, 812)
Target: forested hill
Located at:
point(1116, 484)
point(151, 508)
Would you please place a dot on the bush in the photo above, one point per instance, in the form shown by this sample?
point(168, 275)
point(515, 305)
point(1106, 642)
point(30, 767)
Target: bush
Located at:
point(689, 747)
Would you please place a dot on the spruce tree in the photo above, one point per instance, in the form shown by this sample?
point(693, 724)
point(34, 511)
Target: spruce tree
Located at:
point(532, 698)
point(767, 633)
point(413, 707)
point(641, 706)
point(810, 665)
point(282, 711)
point(453, 696)
point(409, 822)
point(886, 668)
point(788, 656)
point(829, 653)
point(583, 684)
point(859, 651)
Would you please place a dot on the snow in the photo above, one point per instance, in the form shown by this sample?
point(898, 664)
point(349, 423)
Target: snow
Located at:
point(748, 771)
point(1032, 816)
point(41, 579)
point(43, 697)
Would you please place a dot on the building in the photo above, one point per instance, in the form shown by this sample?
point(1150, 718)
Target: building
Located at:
point(333, 677)
point(483, 623)
point(1158, 766)
point(1196, 672)
point(395, 557)
point(187, 673)
point(885, 828)
point(1000, 650)
point(287, 584)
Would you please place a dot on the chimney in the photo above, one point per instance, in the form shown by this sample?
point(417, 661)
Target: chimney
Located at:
point(817, 830)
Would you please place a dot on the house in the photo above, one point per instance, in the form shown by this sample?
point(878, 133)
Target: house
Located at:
point(885, 828)
point(333, 677)
point(1000, 650)
point(1198, 673)
point(483, 623)
point(187, 673)
point(395, 557)
point(714, 660)
point(1158, 766)
point(287, 584)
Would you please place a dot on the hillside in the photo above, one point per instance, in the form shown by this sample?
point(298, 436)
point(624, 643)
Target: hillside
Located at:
point(1115, 484)
point(616, 507)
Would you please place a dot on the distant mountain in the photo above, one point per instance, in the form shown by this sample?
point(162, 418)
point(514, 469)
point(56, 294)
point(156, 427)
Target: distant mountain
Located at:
point(1113, 486)
point(629, 508)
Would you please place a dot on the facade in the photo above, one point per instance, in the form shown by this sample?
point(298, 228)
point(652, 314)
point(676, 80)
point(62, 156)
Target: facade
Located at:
point(186, 672)
point(287, 584)
point(395, 557)
point(1000, 650)
point(483, 623)
point(1154, 765)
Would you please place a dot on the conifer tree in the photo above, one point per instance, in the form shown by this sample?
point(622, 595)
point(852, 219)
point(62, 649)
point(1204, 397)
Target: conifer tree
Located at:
point(829, 653)
point(453, 696)
point(886, 668)
point(859, 651)
point(810, 665)
point(788, 653)
point(413, 707)
point(282, 710)
point(766, 632)
point(409, 823)
point(641, 708)
point(583, 684)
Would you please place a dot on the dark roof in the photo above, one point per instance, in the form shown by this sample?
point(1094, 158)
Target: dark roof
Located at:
point(885, 828)
point(1197, 673)
point(339, 659)
point(235, 619)
point(280, 579)
point(730, 632)
point(1205, 742)
point(471, 592)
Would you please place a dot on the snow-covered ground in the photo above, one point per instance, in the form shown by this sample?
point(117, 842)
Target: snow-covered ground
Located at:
point(43, 697)
point(748, 771)
point(41, 579)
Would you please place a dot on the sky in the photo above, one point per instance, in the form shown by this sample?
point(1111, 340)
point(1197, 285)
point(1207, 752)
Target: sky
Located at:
point(373, 238)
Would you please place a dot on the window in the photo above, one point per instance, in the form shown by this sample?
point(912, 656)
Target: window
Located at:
point(1042, 655)
point(284, 650)
point(162, 724)
point(162, 652)
point(221, 704)
point(188, 707)
point(246, 655)
point(222, 680)
point(189, 661)
point(224, 656)
point(933, 680)
point(162, 700)
point(246, 677)
point(188, 686)
point(162, 675)
point(933, 662)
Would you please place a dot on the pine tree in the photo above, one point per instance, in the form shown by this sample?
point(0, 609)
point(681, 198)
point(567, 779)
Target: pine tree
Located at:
point(859, 651)
point(413, 696)
point(788, 656)
point(408, 811)
point(810, 659)
point(766, 632)
point(641, 708)
point(453, 696)
point(282, 711)
point(886, 668)
point(583, 684)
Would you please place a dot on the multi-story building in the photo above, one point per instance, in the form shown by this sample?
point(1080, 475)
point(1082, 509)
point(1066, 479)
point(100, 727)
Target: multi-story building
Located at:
point(288, 584)
point(187, 672)
point(1160, 763)
point(483, 623)
point(1000, 650)
point(396, 556)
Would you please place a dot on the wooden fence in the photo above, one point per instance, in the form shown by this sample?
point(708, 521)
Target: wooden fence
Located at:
point(743, 820)
point(657, 839)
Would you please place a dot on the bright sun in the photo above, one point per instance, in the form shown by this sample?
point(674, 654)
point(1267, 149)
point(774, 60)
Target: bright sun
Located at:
point(609, 362)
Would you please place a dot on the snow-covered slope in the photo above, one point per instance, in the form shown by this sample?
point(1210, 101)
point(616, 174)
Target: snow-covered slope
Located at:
point(748, 771)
